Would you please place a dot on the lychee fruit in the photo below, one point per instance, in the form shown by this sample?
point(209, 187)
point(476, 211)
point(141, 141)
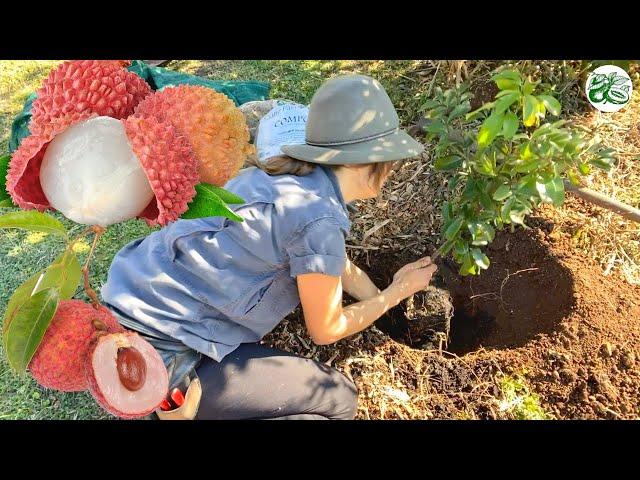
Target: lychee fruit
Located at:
point(126, 375)
point(97, 170)
point(59, 360)
point(90, 173)
point(215, 127)
point(89, 87)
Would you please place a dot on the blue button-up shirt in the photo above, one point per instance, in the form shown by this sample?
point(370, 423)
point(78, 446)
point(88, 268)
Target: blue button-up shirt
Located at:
point(213, 283)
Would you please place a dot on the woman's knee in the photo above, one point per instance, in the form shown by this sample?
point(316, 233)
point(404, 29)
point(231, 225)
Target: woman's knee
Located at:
point(346, 399)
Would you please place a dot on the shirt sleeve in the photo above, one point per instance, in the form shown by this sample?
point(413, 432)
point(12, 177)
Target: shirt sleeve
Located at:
point(318, 248)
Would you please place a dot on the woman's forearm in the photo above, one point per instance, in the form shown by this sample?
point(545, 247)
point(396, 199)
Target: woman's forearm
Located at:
point(357, 283)
point(360, 315)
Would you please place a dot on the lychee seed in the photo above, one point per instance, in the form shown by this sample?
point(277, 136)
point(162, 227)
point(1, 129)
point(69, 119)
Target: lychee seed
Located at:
point(126, 375)
point(132, 368)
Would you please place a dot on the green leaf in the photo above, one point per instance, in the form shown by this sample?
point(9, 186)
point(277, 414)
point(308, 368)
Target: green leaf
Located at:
point(529, 110)
point(461, 248)
point(4, 166)
point(506, 101)
point(490, 128)
point(502, 192)
point(484, 165)
point(555, 189)
point(453, 229)
point(28, 326)
point(64, 274)
point(502, 93)
point(460, 110)
point(527, 166)
point(541, 187)
point(437, 126)
point(476, 113)
point(529, 86)
point(550, 104)
point(574, 178)
point(481, 233)
point(446, 247)
point(225, 195)
point(468, 266)
point(508, 79)
point(604, 163)
point(450, 162)
point(207, 203)
point(480, 259)
point(505, 211)
point(6, 203)
point(584, 168)
point(33, 220)
point(509, 125)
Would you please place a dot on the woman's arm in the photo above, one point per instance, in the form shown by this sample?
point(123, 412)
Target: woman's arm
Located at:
point(357, 283)
point(321, 297)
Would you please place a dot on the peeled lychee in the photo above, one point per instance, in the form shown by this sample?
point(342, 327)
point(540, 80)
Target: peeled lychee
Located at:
point(215, 127)
point(59, 361)
point(90, 174)
point(126, 375)
point(101, 171)
point(90, 87)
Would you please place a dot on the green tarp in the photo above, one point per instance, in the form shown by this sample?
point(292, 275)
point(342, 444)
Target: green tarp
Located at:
point(157, 77)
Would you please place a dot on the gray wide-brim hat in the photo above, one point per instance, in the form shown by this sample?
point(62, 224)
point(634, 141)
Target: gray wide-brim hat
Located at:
point(352, 121)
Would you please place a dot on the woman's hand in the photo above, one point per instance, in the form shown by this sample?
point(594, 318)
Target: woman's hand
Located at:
point(321, 298)
point(413, 277)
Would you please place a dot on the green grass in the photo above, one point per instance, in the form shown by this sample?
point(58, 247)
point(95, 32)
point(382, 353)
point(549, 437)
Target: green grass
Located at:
point(297, 80)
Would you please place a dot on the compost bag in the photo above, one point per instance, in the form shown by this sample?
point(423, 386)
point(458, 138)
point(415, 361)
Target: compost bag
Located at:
point(157, 77)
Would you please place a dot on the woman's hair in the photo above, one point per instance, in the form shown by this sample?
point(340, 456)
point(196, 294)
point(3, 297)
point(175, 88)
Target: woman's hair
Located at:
point(283, 164)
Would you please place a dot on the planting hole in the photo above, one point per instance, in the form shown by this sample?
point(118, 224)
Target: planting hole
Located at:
point(525, 292)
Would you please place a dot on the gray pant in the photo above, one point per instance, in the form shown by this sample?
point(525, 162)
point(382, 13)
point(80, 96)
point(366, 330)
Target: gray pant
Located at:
point(258, 382)
point(254, 381)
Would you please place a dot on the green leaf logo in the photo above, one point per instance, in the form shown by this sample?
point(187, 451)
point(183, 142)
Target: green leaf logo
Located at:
point(609, 88)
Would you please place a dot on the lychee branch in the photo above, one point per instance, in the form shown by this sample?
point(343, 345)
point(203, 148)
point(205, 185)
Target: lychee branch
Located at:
point(91, 293)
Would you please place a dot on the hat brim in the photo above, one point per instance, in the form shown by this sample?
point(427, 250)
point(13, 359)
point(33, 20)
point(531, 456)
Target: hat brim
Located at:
point(393, 147)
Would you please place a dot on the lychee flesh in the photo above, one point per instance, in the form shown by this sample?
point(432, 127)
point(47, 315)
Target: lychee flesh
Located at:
point(106, 385)
point(214, 126)
point(59, 361)
point(23, 176)
point(91, 175)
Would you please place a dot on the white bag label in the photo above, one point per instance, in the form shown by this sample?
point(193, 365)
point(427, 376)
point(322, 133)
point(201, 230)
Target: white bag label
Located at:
point(283, 125)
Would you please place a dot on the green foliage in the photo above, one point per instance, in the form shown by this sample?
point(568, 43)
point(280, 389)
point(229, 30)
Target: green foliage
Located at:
point(210, 202)
point(503, 161)
point(28, 326)
point(63, 274)
point(34, 221)
point(518, 402)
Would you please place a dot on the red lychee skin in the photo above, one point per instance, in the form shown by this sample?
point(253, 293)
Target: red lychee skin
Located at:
point(59, 361)
point(170, 166)
point(214, 126)
point(23, 176)
point(94, 388)
point(98, 87)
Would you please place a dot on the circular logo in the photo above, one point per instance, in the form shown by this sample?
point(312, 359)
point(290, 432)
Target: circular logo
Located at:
point(609, 88)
